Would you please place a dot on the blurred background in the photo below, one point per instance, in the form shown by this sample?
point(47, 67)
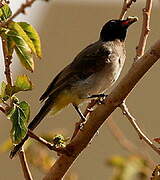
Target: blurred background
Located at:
point(65, 27)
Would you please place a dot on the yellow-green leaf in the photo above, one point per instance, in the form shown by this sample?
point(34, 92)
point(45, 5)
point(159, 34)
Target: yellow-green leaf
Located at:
point(3, 89)
point(22, 49)
point(5, 12)
point(19, 115)
point(16, 27)
point(23, 83)
point(33, 35)
point(3, 95)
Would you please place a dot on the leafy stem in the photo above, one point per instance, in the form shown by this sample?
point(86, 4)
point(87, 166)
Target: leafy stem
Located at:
point(7, 61)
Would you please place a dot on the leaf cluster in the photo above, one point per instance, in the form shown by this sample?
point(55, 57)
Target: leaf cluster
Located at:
point(23, 39)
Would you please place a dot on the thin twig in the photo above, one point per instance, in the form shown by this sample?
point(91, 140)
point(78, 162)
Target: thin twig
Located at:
point(61, 150)
point(7, 61)
point(26, 171)
point(126, 5)
point(132, 120)
point(145, 29)
point(28, 3)
point(2, 109)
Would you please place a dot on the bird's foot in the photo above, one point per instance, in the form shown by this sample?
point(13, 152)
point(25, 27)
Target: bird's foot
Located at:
point(81, 125)
point(100, 97)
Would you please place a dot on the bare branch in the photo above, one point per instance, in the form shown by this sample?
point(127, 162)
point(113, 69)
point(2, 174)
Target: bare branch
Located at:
point(102, 112)
point(7, 61)
point(61, 150)
point(145, 29)
point(2, 109)
point(25, 168)
point(132, 120)
point(126, 5)
point(28, 3)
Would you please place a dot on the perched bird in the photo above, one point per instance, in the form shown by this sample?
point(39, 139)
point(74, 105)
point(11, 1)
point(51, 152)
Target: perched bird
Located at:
point(93, 70)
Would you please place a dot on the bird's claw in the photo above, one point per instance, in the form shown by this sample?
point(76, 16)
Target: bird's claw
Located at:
point(81, 126)
point(100, 97)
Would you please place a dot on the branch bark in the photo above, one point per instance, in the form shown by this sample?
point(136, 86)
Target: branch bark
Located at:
point(7, 61)
point(102, 112)
point(145, 29)
point(28, 3)
point(26, 171)
point(132, 120)
point(126, 5)
point(60, 150)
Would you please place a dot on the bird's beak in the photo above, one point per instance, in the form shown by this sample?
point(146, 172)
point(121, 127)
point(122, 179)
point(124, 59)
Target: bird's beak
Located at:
point(130, 20)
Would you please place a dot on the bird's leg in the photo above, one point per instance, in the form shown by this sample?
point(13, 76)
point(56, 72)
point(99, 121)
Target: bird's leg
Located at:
point(101, 97)
point(83, 119)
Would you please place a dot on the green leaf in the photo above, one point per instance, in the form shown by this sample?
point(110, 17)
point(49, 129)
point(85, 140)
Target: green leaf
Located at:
point(5, 12)
point(16, 27)
point(19, 115)
point(4, 96)
point(33, 35)
point(22, 49)
point(23, 83)
point(3, 89)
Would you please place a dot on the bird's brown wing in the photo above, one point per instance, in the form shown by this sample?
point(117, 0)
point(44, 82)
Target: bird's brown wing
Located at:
point(90, 60)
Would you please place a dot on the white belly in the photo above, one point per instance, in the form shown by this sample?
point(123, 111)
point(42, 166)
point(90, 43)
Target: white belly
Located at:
point(98, 82)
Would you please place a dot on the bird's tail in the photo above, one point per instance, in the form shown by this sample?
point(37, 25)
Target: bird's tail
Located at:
point(49, 104)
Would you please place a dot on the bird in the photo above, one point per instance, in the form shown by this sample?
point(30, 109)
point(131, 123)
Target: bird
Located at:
point(93, 71)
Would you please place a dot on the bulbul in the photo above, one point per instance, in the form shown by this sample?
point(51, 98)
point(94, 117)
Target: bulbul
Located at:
point(91, 73)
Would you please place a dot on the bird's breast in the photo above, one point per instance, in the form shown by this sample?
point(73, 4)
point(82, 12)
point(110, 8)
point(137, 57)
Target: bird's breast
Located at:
point(100, 81)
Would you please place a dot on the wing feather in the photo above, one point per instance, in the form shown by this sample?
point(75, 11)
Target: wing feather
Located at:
point(90, 60)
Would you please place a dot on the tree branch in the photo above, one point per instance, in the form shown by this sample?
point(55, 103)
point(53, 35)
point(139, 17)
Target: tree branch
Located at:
point(126, 5)
point(2, 109)
point(61, 150)
point(7, 61)
point(102, 112)
point(132, 120)
point(145, 29)
point(28, 3)
point(26, 171)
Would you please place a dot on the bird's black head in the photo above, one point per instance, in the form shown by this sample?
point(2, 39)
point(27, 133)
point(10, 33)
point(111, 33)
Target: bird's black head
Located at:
point(116, 29)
